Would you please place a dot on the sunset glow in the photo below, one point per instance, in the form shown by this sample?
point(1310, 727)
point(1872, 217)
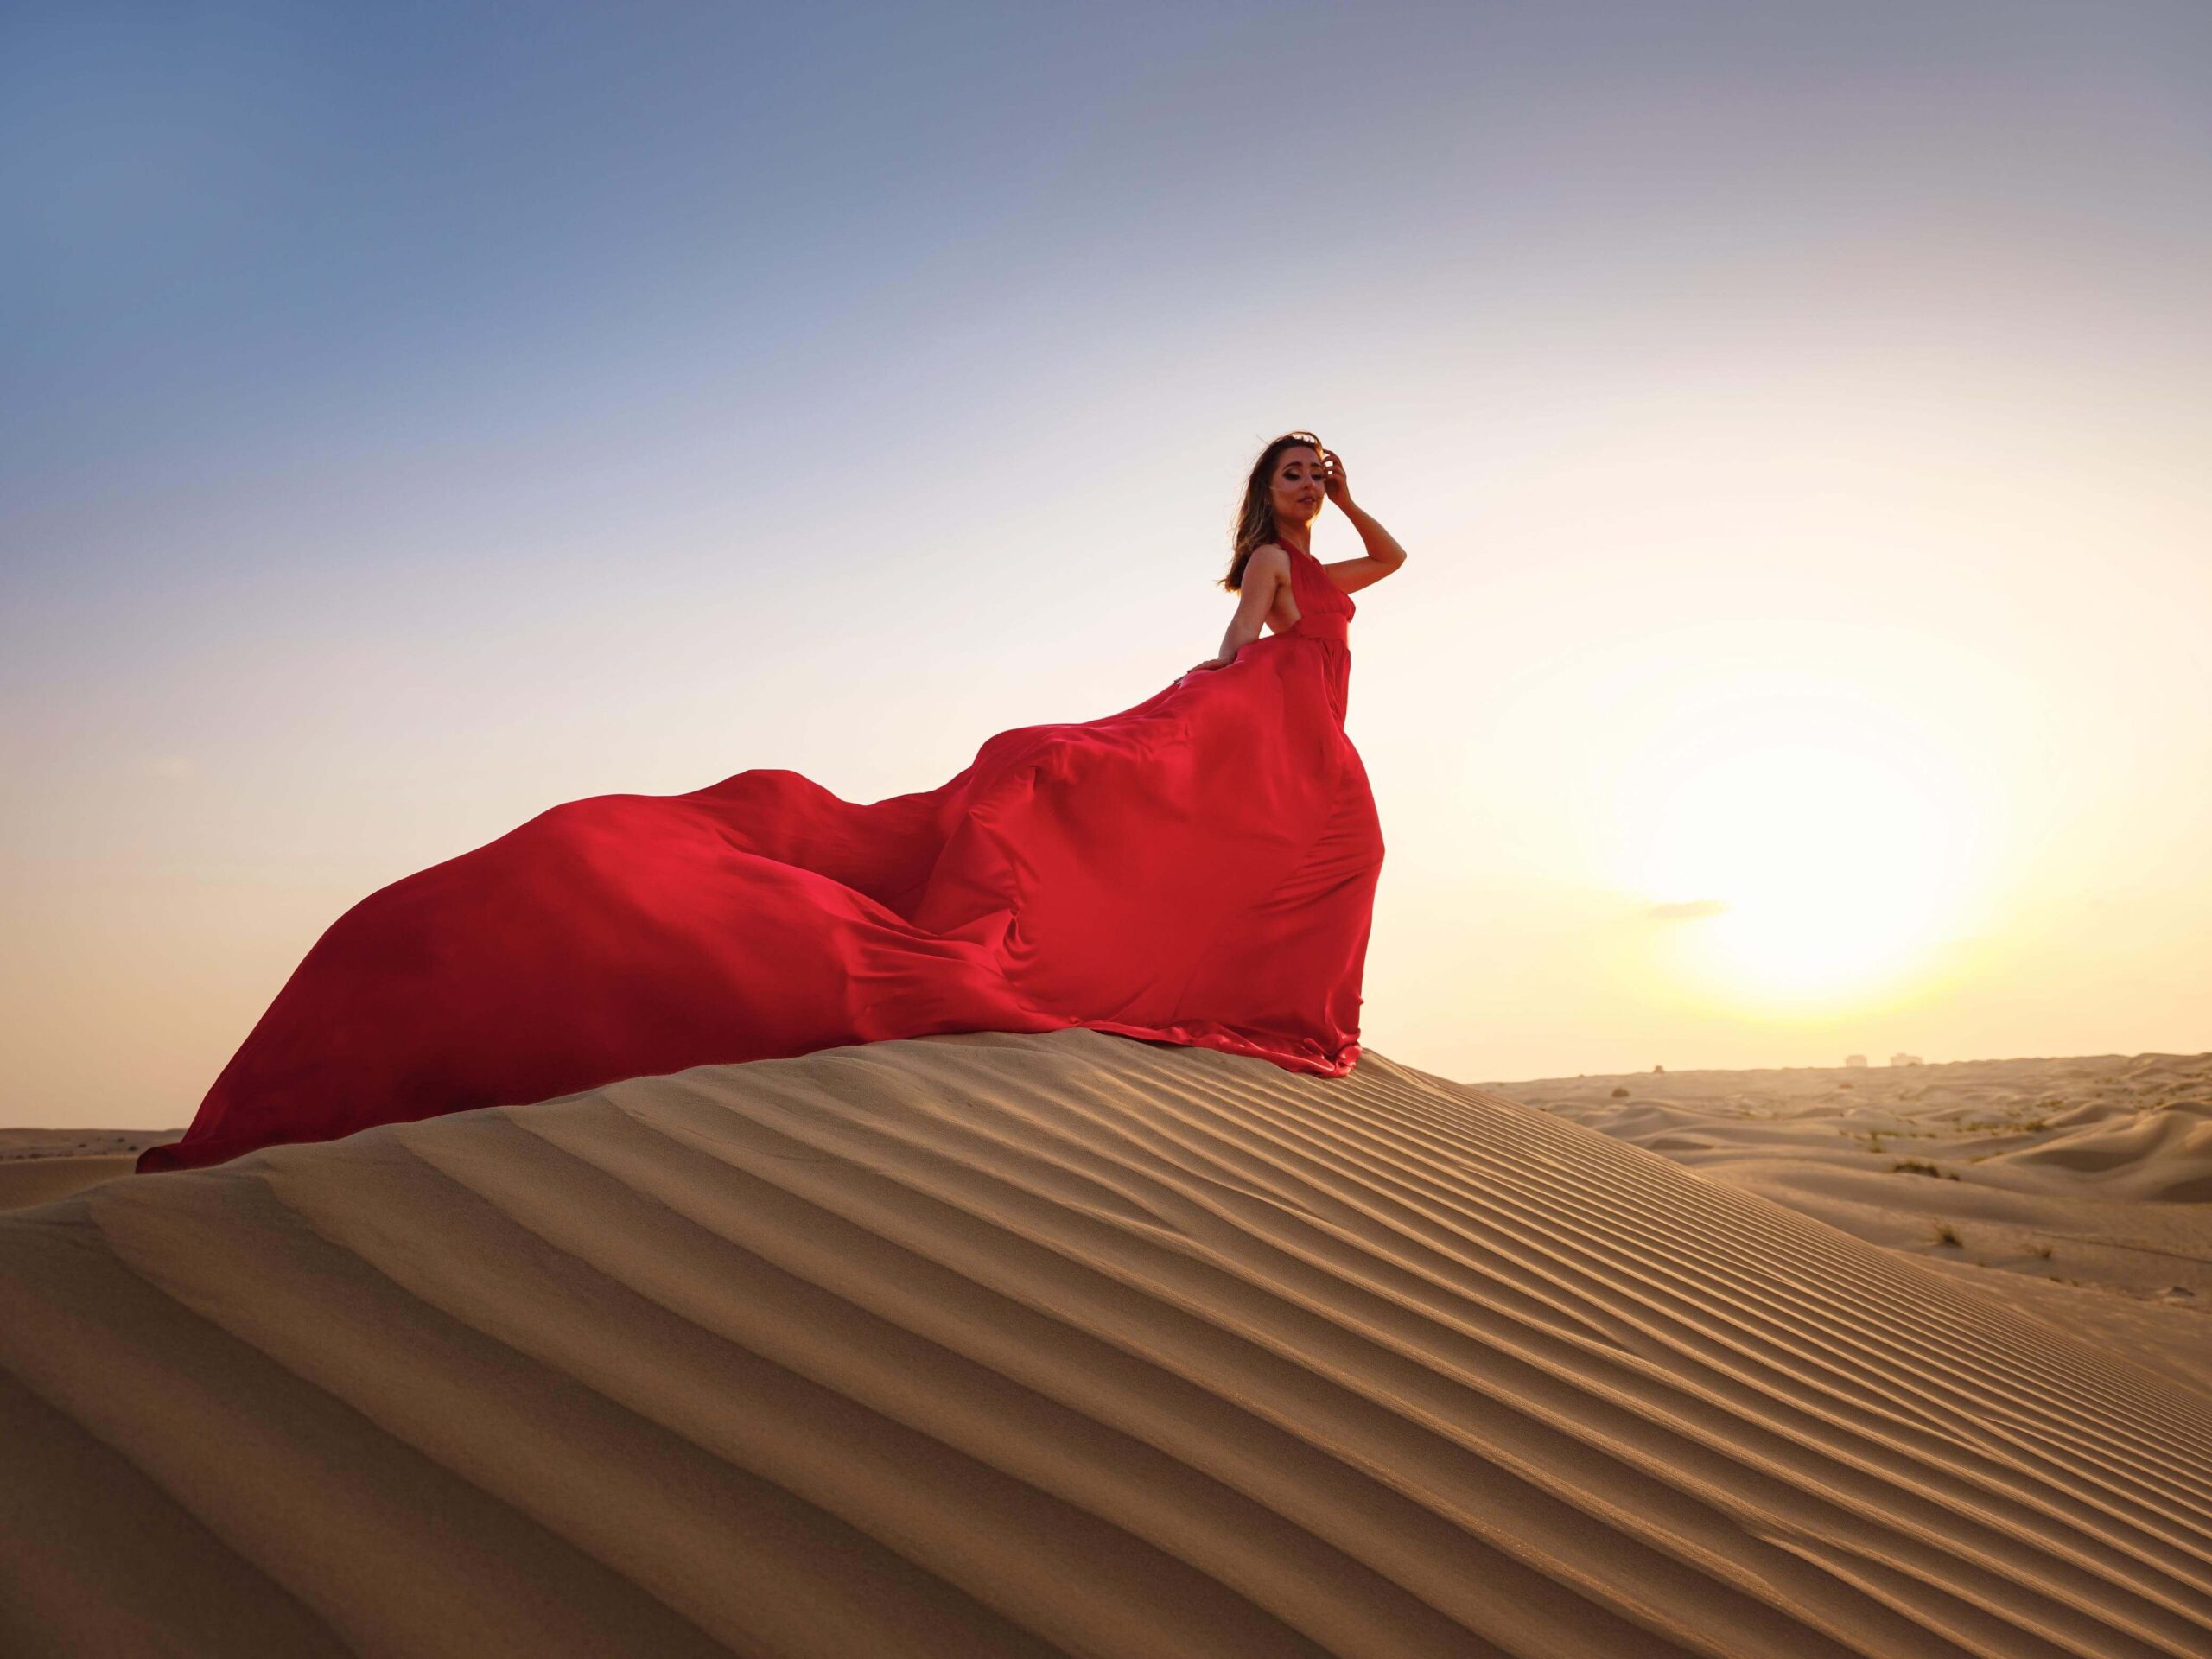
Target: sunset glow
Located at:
point(1794, 421)
point(1828, 872)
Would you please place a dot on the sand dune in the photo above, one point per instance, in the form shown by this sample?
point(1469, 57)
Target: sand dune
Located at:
point(1067, 1342)
point(2078, 1189)
point(27, 1181)
point(39, 1166)
point(2161, 1154)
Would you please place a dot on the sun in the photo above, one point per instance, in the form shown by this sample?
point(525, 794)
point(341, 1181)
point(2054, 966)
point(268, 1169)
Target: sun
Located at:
point(1797, 873)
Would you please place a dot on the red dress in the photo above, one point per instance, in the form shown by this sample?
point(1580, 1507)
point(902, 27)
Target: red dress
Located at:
point(1198, 870)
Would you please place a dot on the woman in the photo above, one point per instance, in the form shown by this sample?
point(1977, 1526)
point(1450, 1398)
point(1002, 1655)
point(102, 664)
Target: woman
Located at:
point(1198, 870)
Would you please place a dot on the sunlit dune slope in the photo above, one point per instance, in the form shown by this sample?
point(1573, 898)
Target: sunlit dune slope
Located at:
point(1064, 1342)
point(2074, 1188)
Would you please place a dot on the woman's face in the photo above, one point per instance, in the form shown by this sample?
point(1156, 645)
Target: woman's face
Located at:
point(1296, 490)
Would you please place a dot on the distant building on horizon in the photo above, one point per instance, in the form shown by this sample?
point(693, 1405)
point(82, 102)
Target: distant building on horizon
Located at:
point(1854, 1059)
point(1904, 1059)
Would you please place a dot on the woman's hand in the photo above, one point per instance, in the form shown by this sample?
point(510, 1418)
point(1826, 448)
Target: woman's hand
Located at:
point(1334, 481)
point(1211, 662)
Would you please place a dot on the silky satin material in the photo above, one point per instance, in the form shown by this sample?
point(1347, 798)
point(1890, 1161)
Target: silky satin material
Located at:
point(1197, 869)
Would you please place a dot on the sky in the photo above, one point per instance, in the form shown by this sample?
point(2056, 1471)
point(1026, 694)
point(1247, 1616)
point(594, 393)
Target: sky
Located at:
point(413, 416)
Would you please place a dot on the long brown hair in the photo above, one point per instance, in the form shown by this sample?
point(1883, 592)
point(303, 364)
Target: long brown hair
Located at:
point(1255, 519)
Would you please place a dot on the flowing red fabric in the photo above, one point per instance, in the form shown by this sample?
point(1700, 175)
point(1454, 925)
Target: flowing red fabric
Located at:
point(1199, 869)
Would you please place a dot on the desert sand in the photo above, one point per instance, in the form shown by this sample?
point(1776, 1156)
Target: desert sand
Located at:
point(1069, 1343)
point(2078, 1188)
point(39, 1166)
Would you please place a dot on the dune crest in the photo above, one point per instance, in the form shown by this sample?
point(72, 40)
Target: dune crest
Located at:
point(999, 1343)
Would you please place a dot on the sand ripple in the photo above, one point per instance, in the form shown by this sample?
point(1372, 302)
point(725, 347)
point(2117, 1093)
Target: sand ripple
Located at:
point(1015, 1344)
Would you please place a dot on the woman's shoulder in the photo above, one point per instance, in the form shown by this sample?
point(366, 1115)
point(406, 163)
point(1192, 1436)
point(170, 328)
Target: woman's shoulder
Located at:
point(1267, 560)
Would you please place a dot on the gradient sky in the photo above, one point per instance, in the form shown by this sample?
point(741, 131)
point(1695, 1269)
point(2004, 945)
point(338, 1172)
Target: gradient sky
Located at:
point(1797, 417)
